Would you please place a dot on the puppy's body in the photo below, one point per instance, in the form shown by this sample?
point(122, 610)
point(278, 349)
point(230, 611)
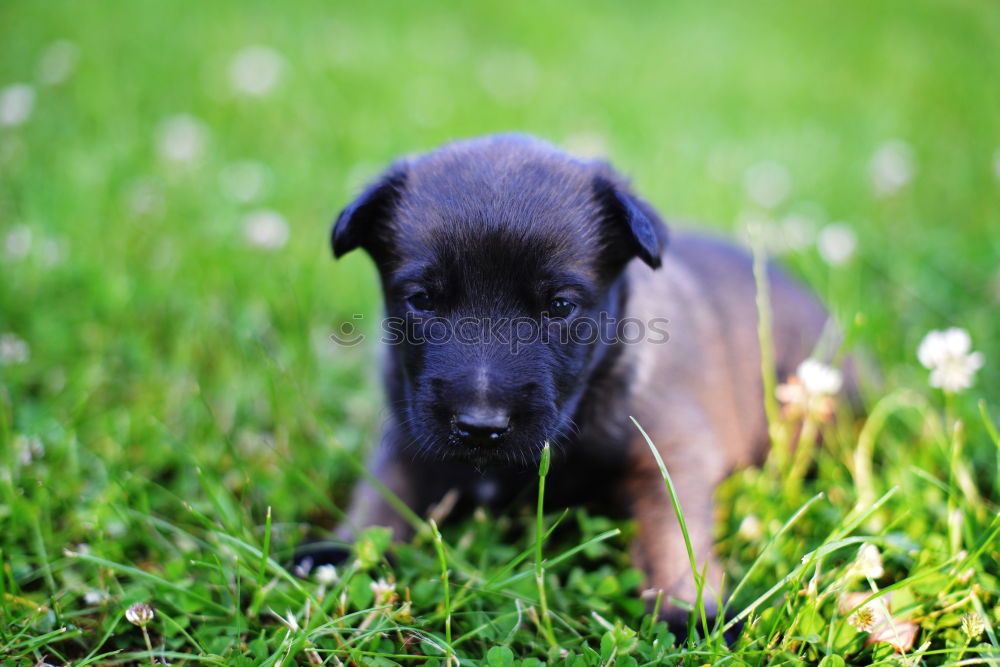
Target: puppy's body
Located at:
point(503, 227)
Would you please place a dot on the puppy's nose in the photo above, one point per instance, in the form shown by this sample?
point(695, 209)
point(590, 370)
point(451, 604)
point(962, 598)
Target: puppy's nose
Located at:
point(482, 424)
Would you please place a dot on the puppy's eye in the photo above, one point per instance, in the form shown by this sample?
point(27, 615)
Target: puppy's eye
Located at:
point(560, 309)
point(421, 301)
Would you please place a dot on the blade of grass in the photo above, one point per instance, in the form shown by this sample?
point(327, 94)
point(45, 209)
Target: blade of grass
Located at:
point(543, 470)
point(698, 582)
point(102, 658)
point(501, 587)
point(832, 543)
point(497, 581)
point(275, 567)
point(780, 445)
point(991, 429)
point(439, 547)
point(265, 552)
point(773, 541)
point(148, 576)
point(863, 472)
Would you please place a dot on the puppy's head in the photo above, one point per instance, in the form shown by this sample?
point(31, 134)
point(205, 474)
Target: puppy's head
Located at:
point(499, 260)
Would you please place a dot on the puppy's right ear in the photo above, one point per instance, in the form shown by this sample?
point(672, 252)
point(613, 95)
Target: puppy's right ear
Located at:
point(362, 223)
point(634, 220)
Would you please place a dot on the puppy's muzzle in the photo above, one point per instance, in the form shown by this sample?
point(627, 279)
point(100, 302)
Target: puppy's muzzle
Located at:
point(481, 426)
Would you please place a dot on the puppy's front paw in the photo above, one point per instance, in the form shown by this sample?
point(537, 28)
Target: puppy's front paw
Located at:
point(311, 555)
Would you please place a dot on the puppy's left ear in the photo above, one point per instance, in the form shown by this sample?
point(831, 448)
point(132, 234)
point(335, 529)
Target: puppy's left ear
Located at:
point(644, 231)
point(362, 222)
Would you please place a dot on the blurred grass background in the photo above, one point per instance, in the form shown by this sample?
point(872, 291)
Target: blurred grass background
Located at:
point(171, 360)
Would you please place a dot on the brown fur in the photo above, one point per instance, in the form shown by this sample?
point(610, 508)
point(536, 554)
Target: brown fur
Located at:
point(524, 208)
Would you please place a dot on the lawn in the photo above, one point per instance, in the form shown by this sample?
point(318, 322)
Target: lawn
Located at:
point(174, 417)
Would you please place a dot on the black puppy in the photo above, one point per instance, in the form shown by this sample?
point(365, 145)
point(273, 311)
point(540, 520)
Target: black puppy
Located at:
point(528, 294)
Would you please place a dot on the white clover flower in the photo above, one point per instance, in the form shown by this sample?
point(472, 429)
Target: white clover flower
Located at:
point(871, 615)
point(868, 563)
point(13, 350)
point(947, 354)
point(266, 229)
point(891, 167)
point(94, 597)
point(17, 242)
point(818, 378)
point(864, 618)
point(751, 529)
point(181, 139)
point(768, 183)
point(810, 391)
point(244, 181)
point(57, 62)
point(385, 592)
point(17, 101)
point(139, 614)
point(973, 625)
point(326, 575)
point(836, 243)
point(256, 70)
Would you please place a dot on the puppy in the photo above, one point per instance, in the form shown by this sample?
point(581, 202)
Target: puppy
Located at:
point(532, 297)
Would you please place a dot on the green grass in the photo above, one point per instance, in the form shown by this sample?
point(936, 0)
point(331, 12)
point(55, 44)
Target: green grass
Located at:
point(189, 421)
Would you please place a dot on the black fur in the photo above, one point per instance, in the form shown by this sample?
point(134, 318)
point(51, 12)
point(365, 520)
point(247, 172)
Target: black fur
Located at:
point(425, 226)
point(491, 252)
